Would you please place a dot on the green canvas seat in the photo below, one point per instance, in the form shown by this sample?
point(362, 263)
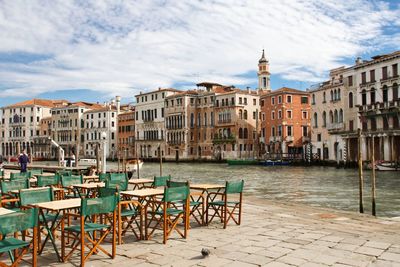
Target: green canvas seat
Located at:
point(226, 205)
point(104, 176)
point(67, 183)
point(35, 172)
point(19, 176)
point(118, 176)
point(165, 214)
point(161, 181)
point(84, 232)
point(9, 199)
point(64, 173)
point(53, 180)
point(122, 184)
point(15, 222)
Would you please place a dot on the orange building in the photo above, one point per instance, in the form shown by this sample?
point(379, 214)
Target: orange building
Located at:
point(285, 121)
point(126, 134)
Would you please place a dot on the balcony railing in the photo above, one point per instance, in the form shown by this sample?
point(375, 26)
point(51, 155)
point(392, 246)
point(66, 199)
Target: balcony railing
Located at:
point(289, 138)
point(305, 139)
point(224, 139)
point(275, 139)
point(335, 126)
point(224, 121)
point(175, 142)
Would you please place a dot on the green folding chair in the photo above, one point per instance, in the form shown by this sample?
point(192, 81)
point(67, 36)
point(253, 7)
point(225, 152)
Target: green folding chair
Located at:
point(2, 174)
point(104, 176)
point(165, 214)
point(160, 181)
point(9, 198)
point(35, 172)
point(13, 223)
point(121, 185)
point(53, 180)
point(21, 175)
point(226, 205)
point(67, 183)
point(84, 234)
point(118, 176)
point(64, 173)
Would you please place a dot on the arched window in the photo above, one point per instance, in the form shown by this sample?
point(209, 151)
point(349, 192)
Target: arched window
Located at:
point(331, 117)
point(341, 115)
point(324, 119)
point(338, 94)
point(245, 114)
point(240, 114)
point(315, 120)
point(385, 94)
point(240, 133)
point(364, 97)
point(245, 133)
point(264, 80)
point(335, 95)
point(336, 119)
point(313, 98)
point(191, 120)
point(331, 95)
point(395, 91)
point(324, 97)
point(350, 100)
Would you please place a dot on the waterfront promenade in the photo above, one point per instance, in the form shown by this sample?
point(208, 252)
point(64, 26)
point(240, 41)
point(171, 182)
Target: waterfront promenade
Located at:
point(271, 234)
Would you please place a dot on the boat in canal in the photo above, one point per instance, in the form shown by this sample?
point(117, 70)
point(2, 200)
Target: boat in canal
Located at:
point(242, 162)
point(133, 164)
point(388, 166)
point(275, 163)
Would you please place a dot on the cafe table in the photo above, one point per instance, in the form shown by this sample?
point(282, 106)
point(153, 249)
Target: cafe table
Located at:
point(140, 183)
point(60, 209)
point(91, 178)
point(89, 188)
point(4, 211)
point(204, 190)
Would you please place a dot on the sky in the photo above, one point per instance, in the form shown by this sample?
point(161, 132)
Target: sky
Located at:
point(95, 50)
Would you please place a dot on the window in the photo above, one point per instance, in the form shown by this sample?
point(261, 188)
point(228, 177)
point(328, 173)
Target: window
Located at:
point(350, 100)
point(289, 99)
point(273, 131)
point(279, 99)
point(305, 130)
point(245, 114)
point(372, 75)
point(394, 70)
point(263, 116)
point(254, 115)
point(384, 73)
point(372, 94)
point(363, 97)
point(254, 102)
point(324, 97)
point(279, 114)
point(289, 130)
point(324, 119)
point(315, 120)
point(288, 114)
point(279, 130)
point(351, 125)
point(262, 102)
point(273, 115)
point(304, 100)
point(304, 115)
point(240, 100)
point(363, 77)
point(385, 94)
point(395, 91)
point(272, 100)
point(245, 100)
point(350, 80)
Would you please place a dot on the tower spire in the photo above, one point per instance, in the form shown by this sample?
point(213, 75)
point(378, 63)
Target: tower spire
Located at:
point(263, 73)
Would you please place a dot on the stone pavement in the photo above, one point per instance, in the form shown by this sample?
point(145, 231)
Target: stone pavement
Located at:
point(271, 234)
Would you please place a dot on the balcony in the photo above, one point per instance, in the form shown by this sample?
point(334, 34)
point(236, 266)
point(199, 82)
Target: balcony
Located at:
point(222, 140)
point(389, 78)
point(273, 139)
point(335, 126)
point(305, 139)
point(227, 121)
point(289, 139)
point(175, 142)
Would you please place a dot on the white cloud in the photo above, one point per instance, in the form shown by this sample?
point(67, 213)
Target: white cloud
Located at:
point(126, 46)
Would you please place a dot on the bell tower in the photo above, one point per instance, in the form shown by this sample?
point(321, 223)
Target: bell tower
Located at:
point(263, 74)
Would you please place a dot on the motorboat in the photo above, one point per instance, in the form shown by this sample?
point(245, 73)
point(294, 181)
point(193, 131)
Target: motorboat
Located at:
point(388, 166)
point(132, 165)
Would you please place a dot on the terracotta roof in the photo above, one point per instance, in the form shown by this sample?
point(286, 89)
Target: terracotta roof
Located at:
point(39, 102)
point(101, 109)
point(206, 84)
point(286, 90)
point(159, 90)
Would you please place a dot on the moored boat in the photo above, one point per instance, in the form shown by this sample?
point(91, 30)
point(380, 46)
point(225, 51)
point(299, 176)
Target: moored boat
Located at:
point(275, 163)
point(242, 162)
point(388, 166)
point(132, 165)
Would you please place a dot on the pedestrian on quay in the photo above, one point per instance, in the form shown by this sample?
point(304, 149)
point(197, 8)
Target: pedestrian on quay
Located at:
point(23, 161)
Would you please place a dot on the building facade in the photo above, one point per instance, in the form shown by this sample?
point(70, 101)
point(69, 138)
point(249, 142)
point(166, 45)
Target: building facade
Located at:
point(285, 120)
point(150, 122)
point(21, 124)
point(126, 134)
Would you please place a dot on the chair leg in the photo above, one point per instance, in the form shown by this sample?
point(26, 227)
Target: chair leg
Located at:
point(114, 234)
point(82, 241)
point(119, 225)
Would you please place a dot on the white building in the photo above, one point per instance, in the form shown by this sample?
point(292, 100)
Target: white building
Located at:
point(20, 124)
point(150, 122)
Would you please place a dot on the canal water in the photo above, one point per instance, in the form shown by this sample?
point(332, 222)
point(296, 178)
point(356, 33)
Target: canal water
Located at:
point(314, 186)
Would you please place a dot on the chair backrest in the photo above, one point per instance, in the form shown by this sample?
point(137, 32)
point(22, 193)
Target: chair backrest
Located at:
point(36, 171)
point(7, 186)
point(118, 176)
point(100, 205)
point(33, 196)
point(67, 181)
point(48, 180)
point(176, 193)
point(104, 176)
point(161, 180)
point(18, 221)
point(234, 187)
point(176, 184)
point(107, 191)
point(64, 173)
point(1, 173)
point(121, 185)
point(21, 175)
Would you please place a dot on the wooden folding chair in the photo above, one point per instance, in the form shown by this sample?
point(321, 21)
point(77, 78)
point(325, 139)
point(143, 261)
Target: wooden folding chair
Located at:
point(67, 182)
point(84, 233)
point(160, 181)
point(222, 207)
point(165, 214)
point(8, 198)
point(20, 175)
point(15, 222)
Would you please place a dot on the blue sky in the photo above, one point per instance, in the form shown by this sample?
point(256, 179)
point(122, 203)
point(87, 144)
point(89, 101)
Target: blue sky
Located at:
point(94, 50)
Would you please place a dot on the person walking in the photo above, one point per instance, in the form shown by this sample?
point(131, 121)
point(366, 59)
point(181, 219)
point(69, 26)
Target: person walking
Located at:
point(23, 161)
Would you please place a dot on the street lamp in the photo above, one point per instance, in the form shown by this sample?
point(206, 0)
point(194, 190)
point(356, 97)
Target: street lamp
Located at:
point(104, 141)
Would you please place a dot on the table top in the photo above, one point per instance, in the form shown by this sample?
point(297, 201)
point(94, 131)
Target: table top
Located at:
point(63, 204)
point(90, 177)
point(149, 192)
point(89, 185)
point(140, 181)
point(47, 174)
point(206, 186)
point(4, 211)
point(36, 188)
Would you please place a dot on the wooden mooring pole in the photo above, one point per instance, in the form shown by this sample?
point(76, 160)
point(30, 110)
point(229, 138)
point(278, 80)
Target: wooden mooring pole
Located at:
point(360, 172)
point(373, 180)
point(159, 153)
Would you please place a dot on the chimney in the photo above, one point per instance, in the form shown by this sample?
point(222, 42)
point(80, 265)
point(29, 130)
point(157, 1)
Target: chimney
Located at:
point(248, 89)
point(118, 100)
